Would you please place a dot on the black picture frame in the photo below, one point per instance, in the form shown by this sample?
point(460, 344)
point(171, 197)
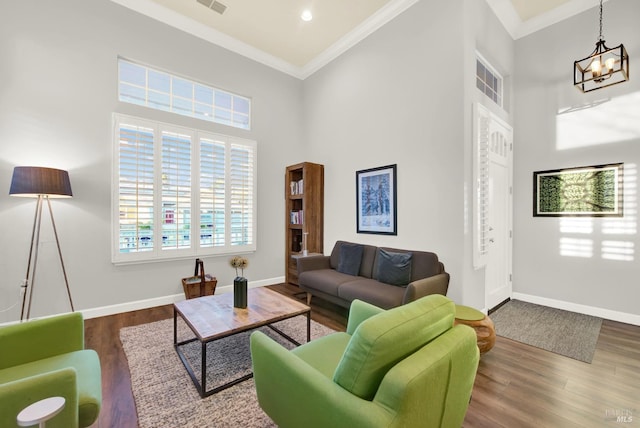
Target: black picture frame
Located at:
point(586, 191)
point(376, 200)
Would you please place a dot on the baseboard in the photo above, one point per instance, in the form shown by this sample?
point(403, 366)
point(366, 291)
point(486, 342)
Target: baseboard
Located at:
point(582, 309)
point(164, 300)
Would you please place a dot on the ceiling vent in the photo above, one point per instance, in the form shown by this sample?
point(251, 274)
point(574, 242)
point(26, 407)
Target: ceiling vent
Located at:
point(213, 5)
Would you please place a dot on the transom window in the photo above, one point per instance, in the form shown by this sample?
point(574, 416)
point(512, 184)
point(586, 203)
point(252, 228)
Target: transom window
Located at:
point(180, 192)
point(141, 85)
point(488, 81)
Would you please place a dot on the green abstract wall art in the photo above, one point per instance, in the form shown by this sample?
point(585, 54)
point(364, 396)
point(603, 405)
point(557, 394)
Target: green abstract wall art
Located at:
point(589, 191)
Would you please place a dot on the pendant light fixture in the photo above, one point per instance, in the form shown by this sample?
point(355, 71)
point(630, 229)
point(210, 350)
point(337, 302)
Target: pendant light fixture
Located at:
point(604, 67)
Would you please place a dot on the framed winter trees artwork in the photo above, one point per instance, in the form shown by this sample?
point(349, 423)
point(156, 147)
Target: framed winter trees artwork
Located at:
point(376, 203)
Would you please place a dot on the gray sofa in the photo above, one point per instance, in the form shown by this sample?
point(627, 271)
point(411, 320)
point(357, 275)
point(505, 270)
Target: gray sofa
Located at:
point(385, 277)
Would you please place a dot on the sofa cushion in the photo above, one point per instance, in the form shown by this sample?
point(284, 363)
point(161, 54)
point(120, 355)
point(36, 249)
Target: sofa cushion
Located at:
point(335, 254)
point(393, 268)
point(368, 257)
point(350, 259)
point(325, 280)
point(371, 291)
point(423, 263)
point(381, 341)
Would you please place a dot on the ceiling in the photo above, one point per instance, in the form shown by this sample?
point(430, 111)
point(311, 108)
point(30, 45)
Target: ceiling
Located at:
point(272, 32)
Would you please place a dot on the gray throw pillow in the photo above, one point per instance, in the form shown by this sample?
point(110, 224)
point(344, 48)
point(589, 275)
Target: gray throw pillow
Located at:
point(393, 268)
point(350, 259)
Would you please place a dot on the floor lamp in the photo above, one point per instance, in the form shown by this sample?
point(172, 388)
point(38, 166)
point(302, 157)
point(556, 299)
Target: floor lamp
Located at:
point(43, 184)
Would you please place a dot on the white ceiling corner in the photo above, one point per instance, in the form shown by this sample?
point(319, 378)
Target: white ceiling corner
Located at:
point(555, 15)
point(506, 13)
point(375, 21)
point(546, 14)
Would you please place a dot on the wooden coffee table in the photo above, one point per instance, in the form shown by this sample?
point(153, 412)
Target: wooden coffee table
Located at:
point(213, 317)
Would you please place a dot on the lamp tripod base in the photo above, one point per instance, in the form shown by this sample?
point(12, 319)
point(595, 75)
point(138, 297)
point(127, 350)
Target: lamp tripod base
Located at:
point(33, 254)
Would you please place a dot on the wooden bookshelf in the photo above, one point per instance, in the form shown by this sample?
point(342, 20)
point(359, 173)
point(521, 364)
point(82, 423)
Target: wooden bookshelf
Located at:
point(304, 214)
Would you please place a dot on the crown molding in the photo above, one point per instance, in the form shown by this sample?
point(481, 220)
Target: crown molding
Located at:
point(506, 14)
point(370, 25)
point(556, 15)
point(517, 28)
point(174, 19)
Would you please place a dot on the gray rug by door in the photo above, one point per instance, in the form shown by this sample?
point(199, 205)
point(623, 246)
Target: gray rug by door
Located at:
point(164, 393)
point(566, 333)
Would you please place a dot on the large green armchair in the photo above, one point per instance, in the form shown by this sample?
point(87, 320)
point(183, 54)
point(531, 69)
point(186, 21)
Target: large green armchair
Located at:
point(405, 367)
point(44, 358)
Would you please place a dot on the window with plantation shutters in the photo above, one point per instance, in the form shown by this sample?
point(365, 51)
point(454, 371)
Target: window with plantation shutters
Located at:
point(180, 192)
point(212, 192)
point(135, 187)
point(242, 196)
point(481, 123)
point(176, 190)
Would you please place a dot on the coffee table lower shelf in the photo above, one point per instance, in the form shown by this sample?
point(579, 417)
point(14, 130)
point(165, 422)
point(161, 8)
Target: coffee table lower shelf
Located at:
point(201, 384)
point(183, 309)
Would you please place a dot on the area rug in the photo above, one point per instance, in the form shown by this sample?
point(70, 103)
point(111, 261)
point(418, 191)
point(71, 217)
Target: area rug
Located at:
point(164, 394)
point(566, 333)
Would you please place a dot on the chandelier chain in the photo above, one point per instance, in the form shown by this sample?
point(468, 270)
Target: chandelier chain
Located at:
point(600, 20)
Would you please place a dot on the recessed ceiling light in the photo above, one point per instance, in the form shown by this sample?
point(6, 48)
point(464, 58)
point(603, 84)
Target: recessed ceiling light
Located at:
point(306, 16)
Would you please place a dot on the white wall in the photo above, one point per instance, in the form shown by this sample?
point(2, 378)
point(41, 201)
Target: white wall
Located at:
point(403, 96)
point(543, 267)
point(58, 90)
point(387, 101)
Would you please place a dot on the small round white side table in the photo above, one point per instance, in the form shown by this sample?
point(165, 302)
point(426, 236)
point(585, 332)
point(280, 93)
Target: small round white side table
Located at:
point(40, 411)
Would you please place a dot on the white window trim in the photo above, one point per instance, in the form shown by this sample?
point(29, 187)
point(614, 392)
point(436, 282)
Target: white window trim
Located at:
point(173, 97)
point(495, 72)
point(158, 253)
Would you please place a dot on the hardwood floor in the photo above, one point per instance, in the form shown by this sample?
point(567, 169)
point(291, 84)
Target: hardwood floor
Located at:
point(521, 386)
point(102, 334)
point(516, 385)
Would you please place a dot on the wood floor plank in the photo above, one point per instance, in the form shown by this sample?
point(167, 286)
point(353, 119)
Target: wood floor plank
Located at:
point(516, 386)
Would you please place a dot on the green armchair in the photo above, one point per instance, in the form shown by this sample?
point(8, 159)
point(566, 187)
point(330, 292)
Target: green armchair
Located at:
point(405, 367)
point(44, 358)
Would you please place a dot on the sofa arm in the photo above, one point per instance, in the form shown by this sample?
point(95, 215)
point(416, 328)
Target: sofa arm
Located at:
point(437, 284)
point(313, 263)
point(358, 312)
point(18, 394)
point(294, 394)
point(41, 338)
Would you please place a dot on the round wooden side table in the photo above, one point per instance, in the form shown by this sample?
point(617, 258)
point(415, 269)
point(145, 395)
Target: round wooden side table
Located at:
point(40, 412)
point(481, 323)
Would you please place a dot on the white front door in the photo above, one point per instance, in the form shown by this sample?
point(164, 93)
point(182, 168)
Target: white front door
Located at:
point(498, 270)
point(493, 203)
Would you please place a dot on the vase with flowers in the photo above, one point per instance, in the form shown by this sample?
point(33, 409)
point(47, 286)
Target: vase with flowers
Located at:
point(240, 282)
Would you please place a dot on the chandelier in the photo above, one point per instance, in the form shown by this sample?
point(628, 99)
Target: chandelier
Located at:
point(604, 67)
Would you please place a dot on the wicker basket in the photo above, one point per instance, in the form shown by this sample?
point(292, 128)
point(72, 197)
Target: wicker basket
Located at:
point(200, 284)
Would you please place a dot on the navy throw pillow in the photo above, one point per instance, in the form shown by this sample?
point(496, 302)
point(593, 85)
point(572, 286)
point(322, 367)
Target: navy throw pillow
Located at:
point(350, 259)
point(393, 268)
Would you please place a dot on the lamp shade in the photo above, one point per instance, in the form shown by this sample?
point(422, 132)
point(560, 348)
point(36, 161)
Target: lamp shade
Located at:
point(31, 181)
